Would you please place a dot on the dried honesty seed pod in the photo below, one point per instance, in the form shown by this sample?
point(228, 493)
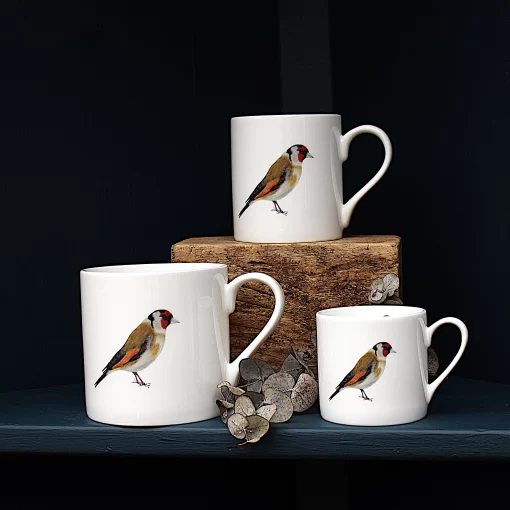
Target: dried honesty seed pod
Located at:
point(281, 381)
point(254, 372)
point(433, 362)
point(237, 425)
point(313, 337)
point(267, 412)
point(284, 407)
point(244, 406)
point(256, 429)
point(391, 283)
point(305, 393)
point(256, 398)
point(378, 294)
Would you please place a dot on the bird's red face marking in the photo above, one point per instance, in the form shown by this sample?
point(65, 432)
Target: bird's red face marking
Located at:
point(386, 348)
point(166, 317)
point(302, 152)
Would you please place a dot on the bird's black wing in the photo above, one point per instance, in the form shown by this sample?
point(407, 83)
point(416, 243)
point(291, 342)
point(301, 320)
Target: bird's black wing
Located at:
point(352, 374)
point(262, 184)
point(118, 356)
point(121, 353)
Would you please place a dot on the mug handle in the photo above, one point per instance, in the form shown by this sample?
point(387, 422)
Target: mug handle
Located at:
point(431, 388)
point(343, 142)
point(229, 303)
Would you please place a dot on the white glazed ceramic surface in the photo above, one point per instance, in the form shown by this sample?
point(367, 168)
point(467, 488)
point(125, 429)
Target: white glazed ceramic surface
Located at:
point(314, 207)
point(196, 353)
point(401, 394)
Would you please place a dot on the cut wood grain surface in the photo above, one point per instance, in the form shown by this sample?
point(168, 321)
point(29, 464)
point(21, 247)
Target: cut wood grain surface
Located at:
point(313, 276)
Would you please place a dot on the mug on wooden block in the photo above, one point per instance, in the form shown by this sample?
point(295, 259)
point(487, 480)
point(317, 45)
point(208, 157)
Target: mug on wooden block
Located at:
point(156, 340)
point(287, 177)
point(372, 363)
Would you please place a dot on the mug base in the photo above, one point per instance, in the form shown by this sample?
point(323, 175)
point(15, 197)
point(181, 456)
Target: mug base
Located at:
point(375, 422)
point(286, 241)
point(148, 422)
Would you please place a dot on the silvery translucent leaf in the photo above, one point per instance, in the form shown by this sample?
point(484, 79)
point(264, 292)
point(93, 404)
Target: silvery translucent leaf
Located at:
point(391, 283)
point(283, 403)
point(237, 425)
point(254, 372)
point(281, 381)
point(226, 414)
point(378, 284)
point(254, 386)
point(302, 358)
point(227, 404)
point(232, 389)
point(244, 406)
point(267, 412)
point(296, 363)
point(227, 394)
point(256, 429)
point(256, 398)
point(305, 393)
point(377, 297)
point(292, 366)
point(313, 337)
point(394, 300)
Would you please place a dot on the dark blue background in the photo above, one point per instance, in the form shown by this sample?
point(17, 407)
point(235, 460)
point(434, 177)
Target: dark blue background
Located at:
point(114, 128)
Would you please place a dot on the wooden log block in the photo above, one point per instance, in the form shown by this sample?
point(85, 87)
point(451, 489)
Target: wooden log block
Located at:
point(313, 276)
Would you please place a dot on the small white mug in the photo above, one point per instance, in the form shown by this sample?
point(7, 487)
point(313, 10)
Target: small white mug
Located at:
point(156, 340)
point(372, 363)
point(287, 177)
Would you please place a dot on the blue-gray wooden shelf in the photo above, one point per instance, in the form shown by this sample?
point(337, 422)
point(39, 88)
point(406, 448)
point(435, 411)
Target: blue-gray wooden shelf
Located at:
point(468, 419)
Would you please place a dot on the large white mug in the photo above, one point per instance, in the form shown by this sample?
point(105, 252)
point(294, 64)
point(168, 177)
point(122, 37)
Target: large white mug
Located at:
point(287, 177)
point(156, 340)
point(372, 363)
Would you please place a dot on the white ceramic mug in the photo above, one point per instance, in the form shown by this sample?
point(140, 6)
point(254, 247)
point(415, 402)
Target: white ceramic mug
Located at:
point(156, 340)
point(372, 363)
point(287, 177)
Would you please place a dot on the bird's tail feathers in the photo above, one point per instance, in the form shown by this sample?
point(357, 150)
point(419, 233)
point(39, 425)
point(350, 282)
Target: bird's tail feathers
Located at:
point(104, 374)
point(336, 392)
point(248, 203)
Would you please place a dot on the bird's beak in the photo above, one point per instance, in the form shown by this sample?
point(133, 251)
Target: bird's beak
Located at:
point(174, 321)
point(393, 351)
point(309, 156)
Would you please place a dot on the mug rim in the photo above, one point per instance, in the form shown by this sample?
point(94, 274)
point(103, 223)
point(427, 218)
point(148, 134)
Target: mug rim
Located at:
point(341, 313)
point(289, 115)
point(157, 268)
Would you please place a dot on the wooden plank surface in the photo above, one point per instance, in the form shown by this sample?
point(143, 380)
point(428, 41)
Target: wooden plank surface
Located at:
point(468, 419)
point(313, 276)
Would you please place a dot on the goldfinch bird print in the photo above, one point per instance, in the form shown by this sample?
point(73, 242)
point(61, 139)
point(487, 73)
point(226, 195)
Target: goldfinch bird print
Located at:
point(367, 371)
point(280, 179)
point(142, 347)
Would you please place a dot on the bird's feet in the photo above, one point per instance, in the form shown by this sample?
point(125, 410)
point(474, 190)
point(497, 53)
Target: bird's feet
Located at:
point(278, 209)
point(147, 385)
point(364, 396)
point(138, 380)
